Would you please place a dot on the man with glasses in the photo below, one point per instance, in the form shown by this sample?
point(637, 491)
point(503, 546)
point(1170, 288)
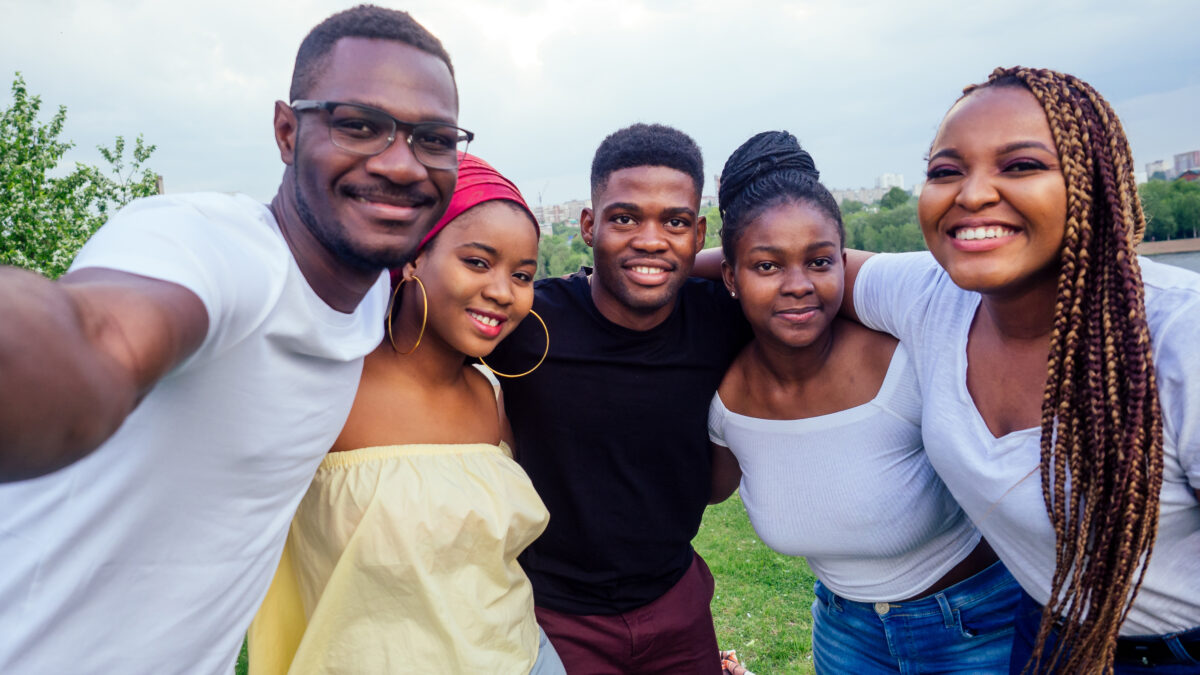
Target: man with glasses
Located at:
point(164, 405)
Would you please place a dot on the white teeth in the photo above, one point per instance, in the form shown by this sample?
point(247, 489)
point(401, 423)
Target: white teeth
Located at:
point(485, 320)
point(984, 232)
point(642, 269)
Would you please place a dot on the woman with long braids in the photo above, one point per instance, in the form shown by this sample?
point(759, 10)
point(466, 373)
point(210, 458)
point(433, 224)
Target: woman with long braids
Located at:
point(402, 556)
point(1060, 373)
point(820, 419)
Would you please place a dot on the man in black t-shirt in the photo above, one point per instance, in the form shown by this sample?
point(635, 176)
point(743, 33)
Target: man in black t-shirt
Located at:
point(611, 427)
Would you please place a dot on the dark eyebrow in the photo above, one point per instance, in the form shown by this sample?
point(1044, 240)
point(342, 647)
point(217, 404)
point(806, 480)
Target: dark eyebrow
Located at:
point(474, 244)
point(1011, 147)
point(948, 152)
point(679, 210)
point(1021, 145)
point(494, 252)
point(623, 206)
point(776, 250)
point(437, 119)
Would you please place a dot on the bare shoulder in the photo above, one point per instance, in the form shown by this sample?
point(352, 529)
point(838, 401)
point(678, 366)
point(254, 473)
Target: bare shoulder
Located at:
point(866, 350)
point(733, 389)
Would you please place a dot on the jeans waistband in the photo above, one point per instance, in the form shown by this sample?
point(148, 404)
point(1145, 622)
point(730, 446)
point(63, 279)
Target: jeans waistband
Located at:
point(1166, 649)
point(965, 592)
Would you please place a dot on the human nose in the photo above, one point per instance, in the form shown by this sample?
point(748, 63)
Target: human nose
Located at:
point(499, 289)
point(650, 238)
point(397, 162)
point(796, 282)
point(976, 191)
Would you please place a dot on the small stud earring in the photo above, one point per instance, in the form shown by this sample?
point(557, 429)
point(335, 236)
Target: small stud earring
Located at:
point(733, 294)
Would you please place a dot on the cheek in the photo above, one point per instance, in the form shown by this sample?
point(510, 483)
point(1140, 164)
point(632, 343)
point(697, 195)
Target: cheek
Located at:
point(754, 291)
point(1051, 202)
point(930, 207)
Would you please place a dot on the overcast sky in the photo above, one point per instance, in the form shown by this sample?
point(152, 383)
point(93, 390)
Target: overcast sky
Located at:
point(862, 84)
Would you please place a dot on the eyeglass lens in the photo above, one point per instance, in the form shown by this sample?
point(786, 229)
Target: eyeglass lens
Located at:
point(368, 131)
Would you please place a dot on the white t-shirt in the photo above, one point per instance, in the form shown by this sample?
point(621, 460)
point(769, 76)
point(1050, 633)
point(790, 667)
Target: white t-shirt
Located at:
point(152, 553)
point(852, 491)
point(997, 480)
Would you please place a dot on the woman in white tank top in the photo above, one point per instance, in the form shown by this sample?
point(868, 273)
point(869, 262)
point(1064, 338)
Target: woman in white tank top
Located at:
point(819, 420)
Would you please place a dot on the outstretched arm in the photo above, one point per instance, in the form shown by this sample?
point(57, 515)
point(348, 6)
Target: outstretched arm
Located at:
point(78, 354)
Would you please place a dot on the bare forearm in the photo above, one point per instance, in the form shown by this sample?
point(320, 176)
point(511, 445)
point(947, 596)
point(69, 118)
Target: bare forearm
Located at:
point(57, 400)
point(77, 354)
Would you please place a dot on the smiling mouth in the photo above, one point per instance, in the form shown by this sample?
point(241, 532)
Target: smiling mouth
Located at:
point(983, 232)
point(645, 269)
point(407, 199)
point(484, 319)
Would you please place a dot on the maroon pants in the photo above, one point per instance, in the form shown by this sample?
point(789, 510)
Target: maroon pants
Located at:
point(673, 634)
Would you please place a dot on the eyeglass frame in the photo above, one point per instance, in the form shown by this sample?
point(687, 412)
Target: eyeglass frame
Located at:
point(303, 105)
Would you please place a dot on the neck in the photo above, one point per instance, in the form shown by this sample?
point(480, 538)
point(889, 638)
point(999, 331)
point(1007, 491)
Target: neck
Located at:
point(794, 365)
point(1028, 315)
point(341, 285)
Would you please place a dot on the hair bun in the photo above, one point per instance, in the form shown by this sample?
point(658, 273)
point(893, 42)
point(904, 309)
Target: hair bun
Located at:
point(765, 153)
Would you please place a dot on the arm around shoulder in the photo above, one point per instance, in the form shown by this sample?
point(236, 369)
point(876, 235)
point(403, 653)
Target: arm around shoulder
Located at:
point(78, 354)
point(854, 263)
point(726, 473)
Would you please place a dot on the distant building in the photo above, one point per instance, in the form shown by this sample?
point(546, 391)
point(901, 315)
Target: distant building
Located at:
point(864, 195)
point(1161, 166)
point(888, 181)
point(567, 212)
point(709, 200)
point(1191, 175)
point(1186, 161)
point(576, 207)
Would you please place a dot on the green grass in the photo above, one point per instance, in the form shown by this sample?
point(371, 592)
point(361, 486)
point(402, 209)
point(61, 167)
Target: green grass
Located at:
point(762, 599)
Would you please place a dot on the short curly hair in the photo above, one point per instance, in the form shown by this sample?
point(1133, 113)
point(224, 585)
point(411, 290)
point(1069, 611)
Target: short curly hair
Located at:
point(647, 145)
point(363, 21)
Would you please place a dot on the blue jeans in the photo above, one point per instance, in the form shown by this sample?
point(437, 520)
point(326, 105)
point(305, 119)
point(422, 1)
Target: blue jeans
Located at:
point(1158, 654)
point(966, 628)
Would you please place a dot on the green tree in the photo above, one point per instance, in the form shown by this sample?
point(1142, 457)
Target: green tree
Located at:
point(886, 230)
point(893, 198)
point(712, 235)
point(850, 206)
point(562, 253)
point(44, 219)
point(1172, 209)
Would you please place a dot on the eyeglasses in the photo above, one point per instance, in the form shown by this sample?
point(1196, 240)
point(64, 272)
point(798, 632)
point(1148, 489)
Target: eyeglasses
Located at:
point(369, 131)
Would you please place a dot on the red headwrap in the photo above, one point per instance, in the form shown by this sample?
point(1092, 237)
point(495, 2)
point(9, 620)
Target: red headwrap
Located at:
point(477, 183)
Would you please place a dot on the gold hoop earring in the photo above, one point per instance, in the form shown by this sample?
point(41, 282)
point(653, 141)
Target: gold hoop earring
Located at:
point(535, 366)
point(424, 314)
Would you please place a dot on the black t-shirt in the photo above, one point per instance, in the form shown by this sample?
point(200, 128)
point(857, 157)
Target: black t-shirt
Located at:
point(612, 429)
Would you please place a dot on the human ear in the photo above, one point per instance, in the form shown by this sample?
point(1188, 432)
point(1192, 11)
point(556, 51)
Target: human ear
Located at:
point(410, 268)
point(727, 277)
point(701, 231)
point(587, 226)
point(286, 128)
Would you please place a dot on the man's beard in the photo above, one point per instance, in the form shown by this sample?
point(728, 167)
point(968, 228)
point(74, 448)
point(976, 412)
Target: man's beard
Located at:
point(334, 239)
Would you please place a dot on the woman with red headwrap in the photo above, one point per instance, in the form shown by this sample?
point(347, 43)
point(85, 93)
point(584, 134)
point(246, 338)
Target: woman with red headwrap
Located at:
point(403, 554)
